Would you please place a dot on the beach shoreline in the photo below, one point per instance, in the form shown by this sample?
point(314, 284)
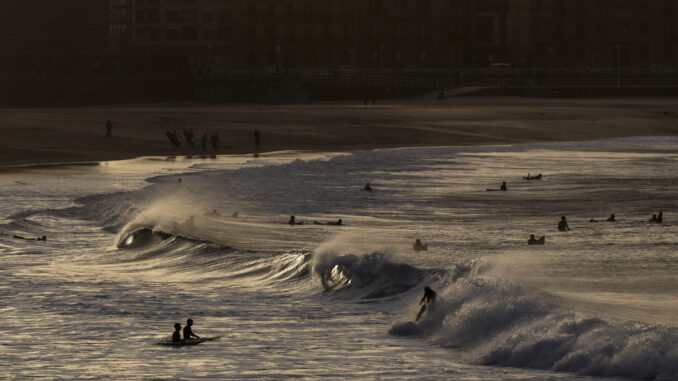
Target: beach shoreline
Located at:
point(78, 135)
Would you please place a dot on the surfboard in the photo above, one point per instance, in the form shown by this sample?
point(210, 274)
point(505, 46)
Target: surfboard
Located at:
point(189, 342)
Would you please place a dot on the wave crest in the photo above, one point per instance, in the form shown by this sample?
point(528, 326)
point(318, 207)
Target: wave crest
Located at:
point(506, 325)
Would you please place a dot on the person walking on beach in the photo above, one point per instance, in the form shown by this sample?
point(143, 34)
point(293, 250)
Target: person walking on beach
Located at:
point(214, 139)
point(188, 135)
point(172, 136)
point(562, 225)
point(204, 141)
point(257, 142)
point(109, 128)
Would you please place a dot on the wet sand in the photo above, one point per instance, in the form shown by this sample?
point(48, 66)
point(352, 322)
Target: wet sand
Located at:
point(54, 135)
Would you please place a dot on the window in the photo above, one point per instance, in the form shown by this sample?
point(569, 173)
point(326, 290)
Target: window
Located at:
point(252, 10)
point(423, 7)
point(172, 16)
point(209, 34)
point(189, 34)
point(209, 16)
point(225, 34)
point(173, 34)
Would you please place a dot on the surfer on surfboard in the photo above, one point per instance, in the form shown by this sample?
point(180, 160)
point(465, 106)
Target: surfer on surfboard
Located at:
point(428, 300)
point(188, 332)
point(176, 336)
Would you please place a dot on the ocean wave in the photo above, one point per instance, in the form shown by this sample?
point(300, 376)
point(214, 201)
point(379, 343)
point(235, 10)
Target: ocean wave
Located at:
point(497, 323)
point(372, 275)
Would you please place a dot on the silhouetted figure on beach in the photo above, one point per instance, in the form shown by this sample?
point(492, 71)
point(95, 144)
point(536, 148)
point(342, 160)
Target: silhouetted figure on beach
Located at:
point(172, 136)
point(428, 300)
point(293, 221)
point(660, 218)
point(109, 129)
point(653, 219)
point(188, 135)
point(214, 139)
point(611, 218)
point(257, 142)
point(188, 331)
point(176, 336)
point(204, 141)
point(562, 225)
point(535, 241)
point(418, 246)
point(367, 187)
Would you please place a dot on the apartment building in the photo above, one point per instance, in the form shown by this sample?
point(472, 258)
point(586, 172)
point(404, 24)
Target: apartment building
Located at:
point(203, 30)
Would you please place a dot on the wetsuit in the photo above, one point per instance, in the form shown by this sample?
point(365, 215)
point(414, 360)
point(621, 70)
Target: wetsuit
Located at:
point(188, 332)
point(428, 299)
point(562, 226)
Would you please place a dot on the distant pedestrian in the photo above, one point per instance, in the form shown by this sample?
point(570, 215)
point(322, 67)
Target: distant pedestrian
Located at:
point(257, 142)
point(204, 141)
point(214, 139)
point(109, 128)
point(172, 136)
point(188, 135)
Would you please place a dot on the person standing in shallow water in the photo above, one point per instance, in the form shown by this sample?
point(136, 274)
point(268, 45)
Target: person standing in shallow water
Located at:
point(188, 332)
point(257, 142)
point(109, 129)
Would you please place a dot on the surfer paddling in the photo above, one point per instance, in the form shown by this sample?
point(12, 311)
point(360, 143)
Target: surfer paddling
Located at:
point(428, 300)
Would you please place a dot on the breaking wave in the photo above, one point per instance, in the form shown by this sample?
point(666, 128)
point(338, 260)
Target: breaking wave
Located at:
point(496, 323)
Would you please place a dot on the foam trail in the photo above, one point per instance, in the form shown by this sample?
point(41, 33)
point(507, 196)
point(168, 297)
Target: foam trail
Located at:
point(498, 323)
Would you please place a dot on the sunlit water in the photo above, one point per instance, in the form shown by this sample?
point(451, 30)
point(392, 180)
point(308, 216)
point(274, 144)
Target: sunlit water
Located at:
point(313, 301)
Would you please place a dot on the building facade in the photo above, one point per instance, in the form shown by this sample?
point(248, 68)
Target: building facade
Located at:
point(202, 30)
point(603, 33)
point(53, 27)
point(374, 34)
point(222, 35)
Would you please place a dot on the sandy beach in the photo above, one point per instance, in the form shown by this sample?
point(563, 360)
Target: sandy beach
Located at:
point(55, 135)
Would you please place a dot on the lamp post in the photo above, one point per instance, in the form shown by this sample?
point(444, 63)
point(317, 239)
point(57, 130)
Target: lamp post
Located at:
point(277, 59)
point(618, 66)
point(381, 58)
